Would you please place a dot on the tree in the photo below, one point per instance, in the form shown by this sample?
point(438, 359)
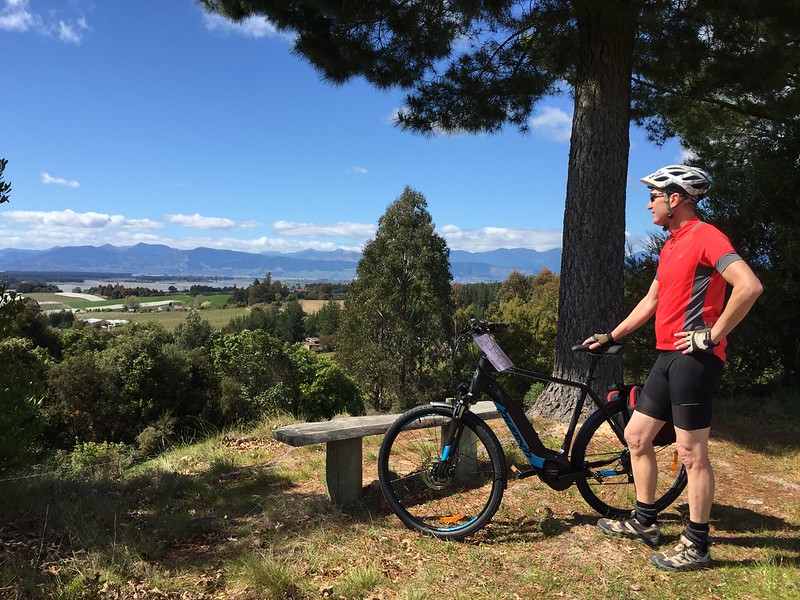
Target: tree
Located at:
point(257, 376)
point(289, 325)
point(112, 388)
point(257, 318)
point(398, 312)
point(132, 303)
point(10, 304)
point(323, 388)
point(529, 303)
point(26, 319)
point(325, 321)
point(472, 300)
point(194, 332)
point(5, 186)
point(23, 385)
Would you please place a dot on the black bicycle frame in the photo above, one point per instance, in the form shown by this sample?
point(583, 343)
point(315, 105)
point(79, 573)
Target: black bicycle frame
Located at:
point(513, 412)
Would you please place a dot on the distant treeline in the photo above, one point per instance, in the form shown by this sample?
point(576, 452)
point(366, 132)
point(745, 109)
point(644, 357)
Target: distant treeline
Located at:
point(117, 291)
point(267, 291)
point(36, 287)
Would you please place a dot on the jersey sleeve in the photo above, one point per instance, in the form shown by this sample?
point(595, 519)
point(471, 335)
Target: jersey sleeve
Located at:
point(718, 251)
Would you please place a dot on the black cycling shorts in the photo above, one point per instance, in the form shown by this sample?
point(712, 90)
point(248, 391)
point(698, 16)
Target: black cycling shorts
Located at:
point(685, 383)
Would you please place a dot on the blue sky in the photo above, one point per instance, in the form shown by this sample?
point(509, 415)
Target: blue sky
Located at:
point(151, 121)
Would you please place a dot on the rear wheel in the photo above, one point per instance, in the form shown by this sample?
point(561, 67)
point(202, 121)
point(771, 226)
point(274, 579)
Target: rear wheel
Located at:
point(609, 486)
point(449, 504)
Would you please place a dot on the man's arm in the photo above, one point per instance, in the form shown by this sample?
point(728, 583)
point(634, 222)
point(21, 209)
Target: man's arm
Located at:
point(746, 290)
point(640, 314)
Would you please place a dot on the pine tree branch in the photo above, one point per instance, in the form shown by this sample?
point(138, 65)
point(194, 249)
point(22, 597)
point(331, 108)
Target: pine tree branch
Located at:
point(748, 111)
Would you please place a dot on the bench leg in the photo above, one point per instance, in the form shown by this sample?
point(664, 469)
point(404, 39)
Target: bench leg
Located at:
point(343, 471)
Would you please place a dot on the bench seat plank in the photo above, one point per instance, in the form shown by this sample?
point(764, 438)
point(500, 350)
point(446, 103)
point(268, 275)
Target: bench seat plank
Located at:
point(305, 434)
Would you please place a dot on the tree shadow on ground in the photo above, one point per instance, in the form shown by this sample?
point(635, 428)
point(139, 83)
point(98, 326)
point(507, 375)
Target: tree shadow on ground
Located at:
point(763, 425)
point(193, 523)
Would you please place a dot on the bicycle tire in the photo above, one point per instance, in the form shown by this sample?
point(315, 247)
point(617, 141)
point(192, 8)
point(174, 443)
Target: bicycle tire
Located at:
point(609, 488)
point(451, 507)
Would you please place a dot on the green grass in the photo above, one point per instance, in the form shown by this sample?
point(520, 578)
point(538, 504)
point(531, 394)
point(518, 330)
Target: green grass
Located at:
point(217, 315)
point(169, 319)
point(240, 515)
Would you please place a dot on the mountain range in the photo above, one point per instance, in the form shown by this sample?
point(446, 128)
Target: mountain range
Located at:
point(312, 265)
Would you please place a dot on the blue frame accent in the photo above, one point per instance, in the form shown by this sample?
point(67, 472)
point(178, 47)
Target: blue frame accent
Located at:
point(534, 460)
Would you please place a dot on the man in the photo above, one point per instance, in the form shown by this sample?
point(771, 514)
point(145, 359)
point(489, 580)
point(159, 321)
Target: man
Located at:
point(687, 296)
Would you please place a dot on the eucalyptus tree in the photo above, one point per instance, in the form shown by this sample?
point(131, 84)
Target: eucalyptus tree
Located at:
point(398, 312)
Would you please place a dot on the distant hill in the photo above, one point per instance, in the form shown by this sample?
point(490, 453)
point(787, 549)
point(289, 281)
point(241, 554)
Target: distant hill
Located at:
point(337, 265)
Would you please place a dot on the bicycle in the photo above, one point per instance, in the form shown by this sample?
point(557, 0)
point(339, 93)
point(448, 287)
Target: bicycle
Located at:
point(443, 471)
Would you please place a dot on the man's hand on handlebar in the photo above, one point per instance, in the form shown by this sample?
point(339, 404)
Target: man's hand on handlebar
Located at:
point(599, 340)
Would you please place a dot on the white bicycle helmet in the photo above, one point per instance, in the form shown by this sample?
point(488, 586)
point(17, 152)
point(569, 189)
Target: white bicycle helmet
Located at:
point(695, 182)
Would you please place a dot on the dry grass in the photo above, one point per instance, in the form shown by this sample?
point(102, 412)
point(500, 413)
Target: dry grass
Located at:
point(243, 516)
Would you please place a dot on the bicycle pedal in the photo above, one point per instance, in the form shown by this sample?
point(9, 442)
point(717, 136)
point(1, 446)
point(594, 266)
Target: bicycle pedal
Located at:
point(523, 471)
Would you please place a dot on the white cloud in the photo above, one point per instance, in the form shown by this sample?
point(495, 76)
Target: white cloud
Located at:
point(46, 229)
point(359, 231)
point(15, 15)
point(358, 170)
point(687, 156)
point(259, 244)
point(38, 222)
point(254, 27)
point(491, 238)
point(47, 179)
point(552, 123)
point(197, 221)
point(72, 32)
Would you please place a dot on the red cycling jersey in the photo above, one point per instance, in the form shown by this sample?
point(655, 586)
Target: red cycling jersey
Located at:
point(691, 289)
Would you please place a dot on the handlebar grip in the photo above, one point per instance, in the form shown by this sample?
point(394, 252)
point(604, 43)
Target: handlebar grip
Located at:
point(483, 326)
point(614, 348)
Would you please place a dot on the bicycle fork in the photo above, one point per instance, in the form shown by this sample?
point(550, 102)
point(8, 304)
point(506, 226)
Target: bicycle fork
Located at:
point(451, 437)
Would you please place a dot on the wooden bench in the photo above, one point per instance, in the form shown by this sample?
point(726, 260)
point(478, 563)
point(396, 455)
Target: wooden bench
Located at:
point(343, 453)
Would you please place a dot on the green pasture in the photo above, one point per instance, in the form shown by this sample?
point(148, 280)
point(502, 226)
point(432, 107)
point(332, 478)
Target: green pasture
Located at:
point(87, 309)
point(50, 301)
point(169, 319)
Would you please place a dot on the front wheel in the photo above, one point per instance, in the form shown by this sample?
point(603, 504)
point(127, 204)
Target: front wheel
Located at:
point(449, 503)
point(608, 488)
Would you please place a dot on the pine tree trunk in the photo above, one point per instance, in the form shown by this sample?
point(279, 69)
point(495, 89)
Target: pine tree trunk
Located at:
point(592, 264)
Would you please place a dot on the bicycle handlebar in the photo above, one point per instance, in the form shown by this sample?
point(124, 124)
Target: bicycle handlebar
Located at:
point(612, 349)
point(477, 327)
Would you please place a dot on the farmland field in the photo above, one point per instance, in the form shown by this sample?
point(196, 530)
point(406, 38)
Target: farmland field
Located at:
point(87, 308)
point(170, 319)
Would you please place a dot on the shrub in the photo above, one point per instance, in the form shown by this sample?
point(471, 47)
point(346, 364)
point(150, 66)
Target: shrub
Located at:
point(105, 460)
point(22, 386)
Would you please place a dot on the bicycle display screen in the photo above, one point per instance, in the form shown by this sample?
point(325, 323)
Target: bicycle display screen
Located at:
point(493, 352)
